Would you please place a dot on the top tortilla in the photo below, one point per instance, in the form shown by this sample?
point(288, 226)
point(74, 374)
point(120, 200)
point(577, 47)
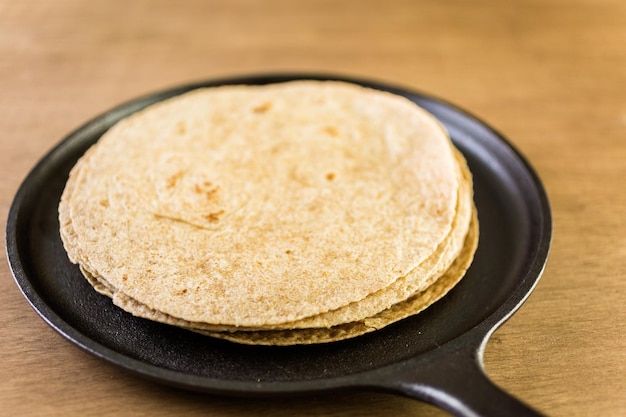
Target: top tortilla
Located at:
point(261, 205)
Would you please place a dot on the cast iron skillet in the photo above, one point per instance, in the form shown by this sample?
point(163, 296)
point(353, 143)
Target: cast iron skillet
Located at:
point(435, 356)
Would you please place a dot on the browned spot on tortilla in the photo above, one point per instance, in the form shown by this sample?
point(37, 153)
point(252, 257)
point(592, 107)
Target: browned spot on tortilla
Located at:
point(173, 180)
point(213, 217)
point(331, 130)
point(262, 108)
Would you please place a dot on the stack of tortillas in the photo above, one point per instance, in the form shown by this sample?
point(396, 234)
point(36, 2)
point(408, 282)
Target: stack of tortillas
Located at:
point(290, 213)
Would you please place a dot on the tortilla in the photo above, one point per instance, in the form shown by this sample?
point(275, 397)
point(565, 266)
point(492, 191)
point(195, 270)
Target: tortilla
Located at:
point(210, 212)
point(257, 206)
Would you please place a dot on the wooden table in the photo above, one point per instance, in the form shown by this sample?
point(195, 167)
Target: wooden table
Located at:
point(550, 75)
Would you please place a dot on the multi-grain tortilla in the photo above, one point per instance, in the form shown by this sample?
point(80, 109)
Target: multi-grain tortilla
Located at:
point(280, 206)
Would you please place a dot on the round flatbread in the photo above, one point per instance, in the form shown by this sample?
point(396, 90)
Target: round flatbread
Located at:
point(262, 205)
point(301, 212)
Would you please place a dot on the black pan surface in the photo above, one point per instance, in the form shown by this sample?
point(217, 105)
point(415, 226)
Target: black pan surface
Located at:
point(435, 356)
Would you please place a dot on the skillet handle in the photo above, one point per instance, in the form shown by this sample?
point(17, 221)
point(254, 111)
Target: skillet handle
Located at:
point(452, 378)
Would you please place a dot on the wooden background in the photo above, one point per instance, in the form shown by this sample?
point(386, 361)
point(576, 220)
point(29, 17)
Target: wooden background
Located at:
point(550, 75)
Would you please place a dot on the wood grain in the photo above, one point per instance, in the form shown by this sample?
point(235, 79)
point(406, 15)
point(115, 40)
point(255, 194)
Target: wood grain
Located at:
point(548, 74)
